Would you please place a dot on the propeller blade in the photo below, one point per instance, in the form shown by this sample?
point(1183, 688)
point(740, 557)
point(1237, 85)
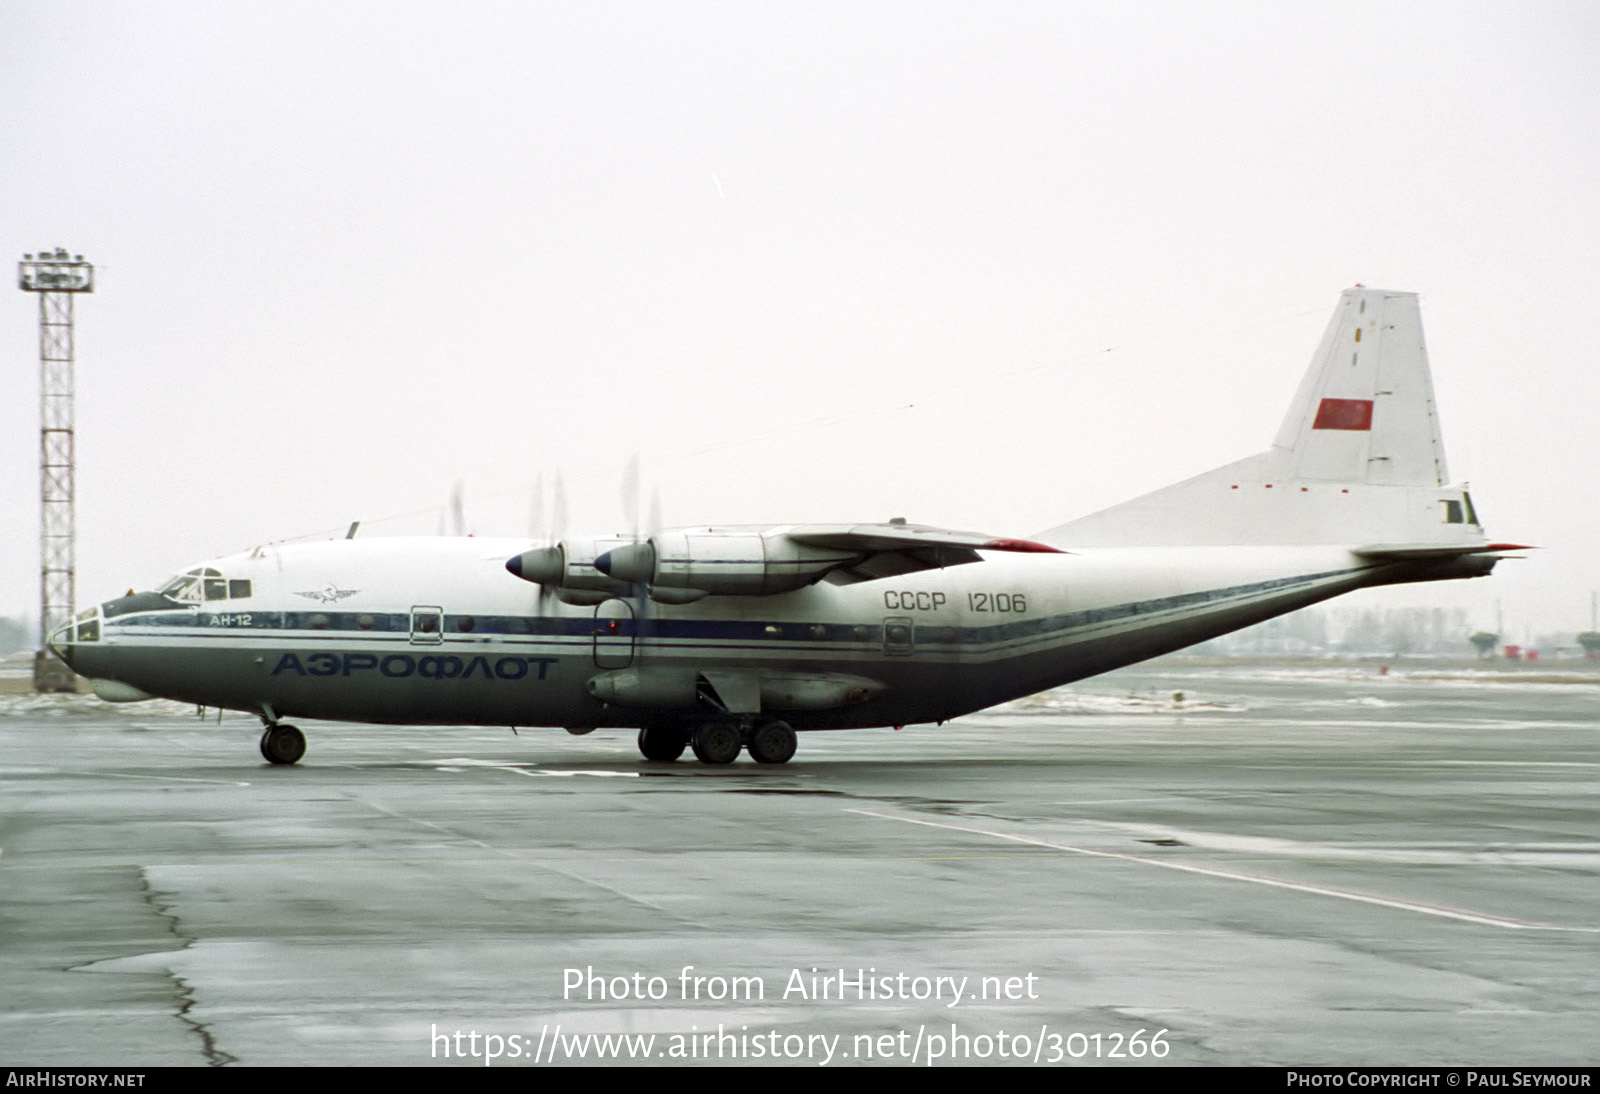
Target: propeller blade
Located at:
point(630, 494)
point(558, 512)
point(536, 509)
point(458, 510)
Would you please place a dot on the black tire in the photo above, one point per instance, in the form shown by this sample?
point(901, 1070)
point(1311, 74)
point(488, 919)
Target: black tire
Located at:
point(663, 743)
point(282, 744)
point(717, 742)
point(772, 743)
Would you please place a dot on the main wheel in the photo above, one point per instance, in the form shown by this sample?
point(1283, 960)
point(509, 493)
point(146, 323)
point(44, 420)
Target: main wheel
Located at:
point(717, 743)
point(281, 744)
point(663, 743)
point(772, 742)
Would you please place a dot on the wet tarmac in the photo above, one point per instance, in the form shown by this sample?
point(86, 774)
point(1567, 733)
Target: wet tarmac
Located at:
point(1291, 864)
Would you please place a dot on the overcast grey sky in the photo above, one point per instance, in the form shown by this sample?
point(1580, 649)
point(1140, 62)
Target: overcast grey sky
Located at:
point(984, 265)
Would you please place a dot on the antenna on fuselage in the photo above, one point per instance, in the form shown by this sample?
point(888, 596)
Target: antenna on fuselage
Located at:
point(351, 534)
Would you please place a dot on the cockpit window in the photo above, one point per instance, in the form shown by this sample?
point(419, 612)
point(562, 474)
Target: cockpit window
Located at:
point(204, 583)
point(182, 587)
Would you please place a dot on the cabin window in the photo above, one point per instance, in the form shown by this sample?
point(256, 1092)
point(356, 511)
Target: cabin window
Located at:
point(239, 590)
point(427, 625)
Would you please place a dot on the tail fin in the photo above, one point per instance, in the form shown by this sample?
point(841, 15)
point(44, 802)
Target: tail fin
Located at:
point(1357, 461)
point(1365, 410)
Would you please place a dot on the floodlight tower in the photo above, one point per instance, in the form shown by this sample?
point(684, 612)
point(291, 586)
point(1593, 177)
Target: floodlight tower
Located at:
point(56, 276)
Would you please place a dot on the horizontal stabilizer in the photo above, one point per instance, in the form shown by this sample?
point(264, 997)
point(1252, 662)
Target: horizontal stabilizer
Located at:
point(1412, 551)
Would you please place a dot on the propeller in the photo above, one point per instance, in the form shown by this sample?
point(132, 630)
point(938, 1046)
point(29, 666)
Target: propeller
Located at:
point(544, 563)
point(641, 591)
point(547, 564)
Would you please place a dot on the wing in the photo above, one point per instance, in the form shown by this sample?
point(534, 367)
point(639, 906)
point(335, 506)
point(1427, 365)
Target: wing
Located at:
point(896, 548)
point(691, 562)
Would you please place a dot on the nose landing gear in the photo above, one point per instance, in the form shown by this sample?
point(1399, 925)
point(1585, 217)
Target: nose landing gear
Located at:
point(282, 744)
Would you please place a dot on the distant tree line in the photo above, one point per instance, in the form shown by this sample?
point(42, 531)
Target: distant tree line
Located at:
point(1394, 631)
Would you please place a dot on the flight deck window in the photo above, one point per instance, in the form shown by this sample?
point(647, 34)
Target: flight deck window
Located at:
point(238, 590)
point(184, 587)
point(216, 588)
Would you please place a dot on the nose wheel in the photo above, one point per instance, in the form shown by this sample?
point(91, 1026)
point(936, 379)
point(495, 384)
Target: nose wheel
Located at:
point(282, 744)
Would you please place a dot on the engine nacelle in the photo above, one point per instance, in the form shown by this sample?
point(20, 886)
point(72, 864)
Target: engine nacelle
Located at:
point(730, 563)
point(569, 566)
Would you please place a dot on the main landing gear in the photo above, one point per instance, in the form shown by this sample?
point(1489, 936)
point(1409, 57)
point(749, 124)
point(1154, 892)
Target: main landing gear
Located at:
point(719, 741)
point(282, 744)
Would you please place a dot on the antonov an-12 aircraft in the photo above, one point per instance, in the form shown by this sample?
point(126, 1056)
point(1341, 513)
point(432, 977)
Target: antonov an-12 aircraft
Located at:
point(731, 639)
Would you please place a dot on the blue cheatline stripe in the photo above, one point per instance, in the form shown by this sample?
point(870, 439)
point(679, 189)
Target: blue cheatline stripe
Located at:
point(396, 626)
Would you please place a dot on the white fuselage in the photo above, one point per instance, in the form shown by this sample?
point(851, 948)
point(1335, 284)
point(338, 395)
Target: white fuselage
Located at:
point(436, 631)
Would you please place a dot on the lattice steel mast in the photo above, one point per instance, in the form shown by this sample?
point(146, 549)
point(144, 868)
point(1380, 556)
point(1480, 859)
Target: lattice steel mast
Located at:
point(56, 277)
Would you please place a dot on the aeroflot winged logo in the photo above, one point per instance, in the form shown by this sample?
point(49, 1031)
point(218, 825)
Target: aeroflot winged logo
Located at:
point(328, 594)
